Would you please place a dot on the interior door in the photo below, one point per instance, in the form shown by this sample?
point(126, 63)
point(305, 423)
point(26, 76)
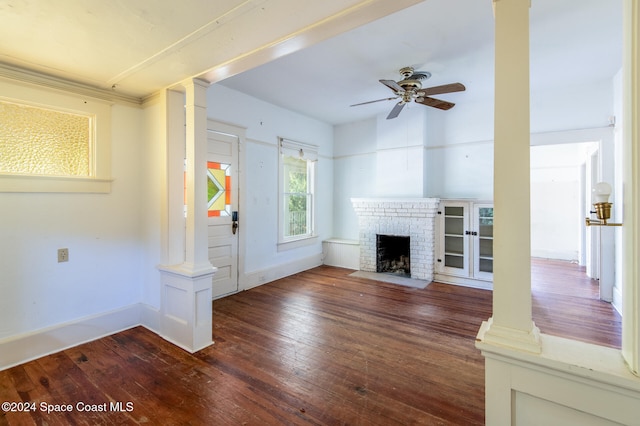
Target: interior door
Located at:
point(222, 210)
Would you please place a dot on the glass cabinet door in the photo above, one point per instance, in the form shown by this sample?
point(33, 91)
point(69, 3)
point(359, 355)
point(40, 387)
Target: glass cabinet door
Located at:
point(455, 239)
point(483, 241)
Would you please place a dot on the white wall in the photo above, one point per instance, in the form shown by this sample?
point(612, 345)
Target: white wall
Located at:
point(400, 150)
point(355, 170)
point(259, 167)
point(457, 156)
point(377, 158)
point(101, 231)
point(572, 108)
point(153, 180)
point(556, 187)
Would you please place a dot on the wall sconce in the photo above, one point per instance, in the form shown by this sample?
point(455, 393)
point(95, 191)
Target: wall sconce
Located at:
point(601, 192)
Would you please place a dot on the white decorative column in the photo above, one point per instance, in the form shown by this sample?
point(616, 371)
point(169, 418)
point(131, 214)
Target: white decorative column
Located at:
point(631, 180)
point(173, 241)
point(186, 311)
point(511, 324)
point(533, 378)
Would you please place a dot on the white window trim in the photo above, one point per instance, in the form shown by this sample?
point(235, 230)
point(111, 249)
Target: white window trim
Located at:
point(99, 180)
point(307, 152)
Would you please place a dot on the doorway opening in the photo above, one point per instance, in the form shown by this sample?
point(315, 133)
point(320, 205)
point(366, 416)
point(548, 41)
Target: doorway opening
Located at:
point(562, 176)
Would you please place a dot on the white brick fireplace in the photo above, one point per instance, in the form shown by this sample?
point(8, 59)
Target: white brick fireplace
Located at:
point(412, 217)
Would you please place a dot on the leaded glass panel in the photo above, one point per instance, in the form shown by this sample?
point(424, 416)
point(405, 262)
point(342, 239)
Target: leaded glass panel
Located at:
point(40, 141)
point(218, 189)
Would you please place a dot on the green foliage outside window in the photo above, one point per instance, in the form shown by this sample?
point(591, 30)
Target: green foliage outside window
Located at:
point(297, 196)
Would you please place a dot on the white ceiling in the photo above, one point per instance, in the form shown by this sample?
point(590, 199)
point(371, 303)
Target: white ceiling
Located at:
point(139, 47)
point(573, 42)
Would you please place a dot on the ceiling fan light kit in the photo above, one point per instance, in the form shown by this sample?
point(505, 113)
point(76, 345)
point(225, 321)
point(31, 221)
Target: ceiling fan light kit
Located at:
point(410, 89)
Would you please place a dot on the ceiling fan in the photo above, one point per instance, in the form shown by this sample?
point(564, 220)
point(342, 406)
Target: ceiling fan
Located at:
point(410, 89)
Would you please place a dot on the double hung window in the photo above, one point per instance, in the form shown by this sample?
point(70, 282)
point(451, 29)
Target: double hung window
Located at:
point(297, 163)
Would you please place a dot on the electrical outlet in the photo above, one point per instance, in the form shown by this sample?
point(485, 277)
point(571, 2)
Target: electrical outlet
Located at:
point(63, 255)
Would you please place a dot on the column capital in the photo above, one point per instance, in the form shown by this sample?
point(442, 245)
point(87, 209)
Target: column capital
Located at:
point(493, 3)
point(196, 92)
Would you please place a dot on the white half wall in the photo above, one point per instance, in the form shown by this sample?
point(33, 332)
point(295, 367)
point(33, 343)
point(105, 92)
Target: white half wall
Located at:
point(569, 383)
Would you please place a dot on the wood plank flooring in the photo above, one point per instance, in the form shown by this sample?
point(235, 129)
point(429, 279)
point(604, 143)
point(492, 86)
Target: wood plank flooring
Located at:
point(566, 303)
point(316, 348)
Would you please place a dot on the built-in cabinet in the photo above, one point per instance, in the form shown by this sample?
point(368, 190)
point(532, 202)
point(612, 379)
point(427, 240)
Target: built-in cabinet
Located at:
point(464, 243)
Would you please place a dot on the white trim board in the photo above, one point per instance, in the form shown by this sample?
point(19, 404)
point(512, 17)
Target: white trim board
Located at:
point(19, 349)
point(257, 278)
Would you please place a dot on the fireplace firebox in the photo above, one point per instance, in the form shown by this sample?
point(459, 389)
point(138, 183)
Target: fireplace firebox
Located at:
point(393, 255)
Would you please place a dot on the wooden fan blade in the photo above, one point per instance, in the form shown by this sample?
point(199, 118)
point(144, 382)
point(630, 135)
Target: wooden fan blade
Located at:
point(445, 88)
point(436, 103)
point(396, 110)
point(392, 85)
point(378, 100)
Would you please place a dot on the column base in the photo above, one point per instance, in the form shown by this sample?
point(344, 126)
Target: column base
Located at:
point(493, 334)
point(186, 309)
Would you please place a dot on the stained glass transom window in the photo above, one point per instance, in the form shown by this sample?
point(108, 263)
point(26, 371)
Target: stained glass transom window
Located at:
point(40, 141)
point(218, 189)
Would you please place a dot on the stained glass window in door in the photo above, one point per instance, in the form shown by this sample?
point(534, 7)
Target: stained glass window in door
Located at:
point(218, 189)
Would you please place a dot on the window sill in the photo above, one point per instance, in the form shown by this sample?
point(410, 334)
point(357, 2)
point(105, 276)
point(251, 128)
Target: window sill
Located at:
point(297, 243)
point(25, 183)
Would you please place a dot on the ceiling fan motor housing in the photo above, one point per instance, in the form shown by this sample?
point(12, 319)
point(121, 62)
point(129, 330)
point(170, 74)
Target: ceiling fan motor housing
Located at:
point(411, 81)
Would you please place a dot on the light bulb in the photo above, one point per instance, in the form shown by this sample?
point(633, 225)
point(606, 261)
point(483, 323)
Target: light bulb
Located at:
point(601, 192)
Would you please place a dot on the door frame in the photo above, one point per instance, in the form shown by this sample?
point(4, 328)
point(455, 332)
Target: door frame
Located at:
point(599, 166)
point(240, 133)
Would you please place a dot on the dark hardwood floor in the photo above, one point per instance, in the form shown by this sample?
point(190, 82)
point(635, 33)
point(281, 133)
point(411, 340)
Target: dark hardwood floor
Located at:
point(319, 348)
point(566, 303)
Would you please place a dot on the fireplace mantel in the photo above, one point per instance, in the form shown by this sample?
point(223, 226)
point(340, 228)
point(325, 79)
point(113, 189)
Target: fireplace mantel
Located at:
point(412, 217)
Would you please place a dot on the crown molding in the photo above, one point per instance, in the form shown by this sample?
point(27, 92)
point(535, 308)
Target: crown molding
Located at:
point(33, 77)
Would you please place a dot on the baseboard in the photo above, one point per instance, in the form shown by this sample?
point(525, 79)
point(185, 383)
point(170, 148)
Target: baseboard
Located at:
point(617, 300)
point(566, 255)
point(464, 282)
point(263, 276)
point(19, 349)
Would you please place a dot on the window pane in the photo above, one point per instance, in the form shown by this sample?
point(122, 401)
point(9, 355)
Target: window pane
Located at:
point(42, 141)
point(453, 225)
point(295, 217)
point(295, 175)
point(218, 189)
point(453, 211)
